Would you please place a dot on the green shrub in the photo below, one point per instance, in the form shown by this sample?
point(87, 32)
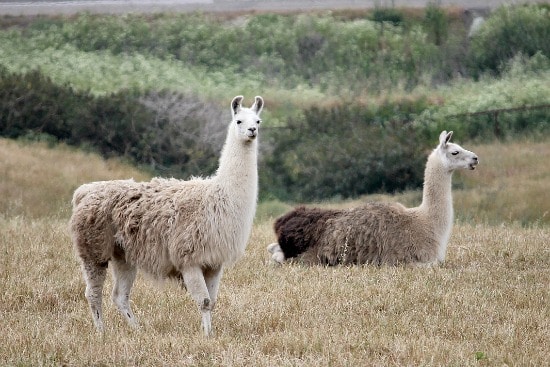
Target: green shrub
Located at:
point(31, 103)
point(347, 151)
point(390, 15)
point(436, 23)
point(299, 49)
point(167, 132)
point(510, 30)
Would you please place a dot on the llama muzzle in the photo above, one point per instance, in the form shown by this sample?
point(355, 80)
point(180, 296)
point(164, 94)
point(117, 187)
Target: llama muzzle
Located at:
point(252, 132)
point(475, 162)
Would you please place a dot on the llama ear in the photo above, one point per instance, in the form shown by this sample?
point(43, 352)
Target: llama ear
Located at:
point(258, 105)
point(236, 104)
point(445, 137)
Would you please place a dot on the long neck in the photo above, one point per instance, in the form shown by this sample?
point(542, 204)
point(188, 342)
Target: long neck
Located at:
point(238, 168)
point(437, 200)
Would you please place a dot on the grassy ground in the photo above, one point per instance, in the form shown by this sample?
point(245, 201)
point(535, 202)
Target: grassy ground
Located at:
point(488, 304)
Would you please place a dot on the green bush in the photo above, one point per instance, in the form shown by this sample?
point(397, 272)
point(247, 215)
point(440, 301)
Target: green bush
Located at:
point(507, 32)
point(31, 103)
point(436, 24)
point(390, 15)
point(169, 133)
point(347, 151)
point(299, 49)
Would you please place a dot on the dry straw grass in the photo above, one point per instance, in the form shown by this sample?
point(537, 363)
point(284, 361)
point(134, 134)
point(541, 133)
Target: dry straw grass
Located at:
point(489, 301)
point(36, 180)
point(488, 305)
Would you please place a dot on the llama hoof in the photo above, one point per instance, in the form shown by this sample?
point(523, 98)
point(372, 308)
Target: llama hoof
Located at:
point(206, 305)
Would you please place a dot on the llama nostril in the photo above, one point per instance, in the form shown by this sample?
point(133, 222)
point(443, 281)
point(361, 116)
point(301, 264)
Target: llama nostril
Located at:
point(475, 158)
point(252, 129)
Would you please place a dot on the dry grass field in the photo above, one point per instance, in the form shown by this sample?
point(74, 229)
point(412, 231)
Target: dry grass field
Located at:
point(487, 305)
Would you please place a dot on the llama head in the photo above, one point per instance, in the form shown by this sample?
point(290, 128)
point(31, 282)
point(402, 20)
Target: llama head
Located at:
point(453, 155)
point(246, 121)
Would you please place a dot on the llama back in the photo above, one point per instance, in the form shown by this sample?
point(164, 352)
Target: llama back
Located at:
point(92, 188)
point(376, 233)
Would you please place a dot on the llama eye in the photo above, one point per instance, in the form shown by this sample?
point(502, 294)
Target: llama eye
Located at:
point(455, 152)
point(258, 122)
point(239, 122)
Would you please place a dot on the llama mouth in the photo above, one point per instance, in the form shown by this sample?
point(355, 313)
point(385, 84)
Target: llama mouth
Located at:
point(473, 166)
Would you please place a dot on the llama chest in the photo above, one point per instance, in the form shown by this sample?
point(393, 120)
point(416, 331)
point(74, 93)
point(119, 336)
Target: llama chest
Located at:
point(215, 232)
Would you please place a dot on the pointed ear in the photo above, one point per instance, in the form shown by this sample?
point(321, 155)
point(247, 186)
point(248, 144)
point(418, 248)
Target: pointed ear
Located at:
point(445, 137)
point(236, 104)
point(258, 105)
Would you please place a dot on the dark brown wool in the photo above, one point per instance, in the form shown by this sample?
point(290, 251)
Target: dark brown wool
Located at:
point(300, 229)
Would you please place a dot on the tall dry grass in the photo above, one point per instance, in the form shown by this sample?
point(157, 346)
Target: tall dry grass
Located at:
point(487, 305)
point(511, 184)
point(37, 180)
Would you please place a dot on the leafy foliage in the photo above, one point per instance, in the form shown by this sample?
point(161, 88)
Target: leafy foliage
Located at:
point(508, 32)
point(348, 150)
point(149, 88)
point(164, 131)
point(299, 48)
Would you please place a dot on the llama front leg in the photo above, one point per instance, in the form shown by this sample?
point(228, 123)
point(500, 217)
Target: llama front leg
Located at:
point(196, 286)
point(212, 277)
point(124, 275)
point(94, 275)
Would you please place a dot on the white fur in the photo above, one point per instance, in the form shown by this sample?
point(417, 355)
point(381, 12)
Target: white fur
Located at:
point(437, 199)
point(171, 228)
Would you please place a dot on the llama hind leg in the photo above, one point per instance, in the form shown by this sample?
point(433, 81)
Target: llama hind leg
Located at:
point(124, 275)
point(196, 286)
point(94, 275)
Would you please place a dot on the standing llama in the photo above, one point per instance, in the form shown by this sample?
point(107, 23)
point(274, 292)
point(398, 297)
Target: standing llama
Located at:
point(168, 228)
point(378, 233)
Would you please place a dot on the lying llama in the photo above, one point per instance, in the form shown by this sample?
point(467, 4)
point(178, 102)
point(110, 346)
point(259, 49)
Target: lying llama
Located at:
point(188, 230)
point(379, 233)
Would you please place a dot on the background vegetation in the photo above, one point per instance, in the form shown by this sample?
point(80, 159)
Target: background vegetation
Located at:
point(354, 101)
point(354, 98)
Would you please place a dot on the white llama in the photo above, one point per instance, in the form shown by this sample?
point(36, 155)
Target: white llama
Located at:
point(189, 230)
point(378, 233)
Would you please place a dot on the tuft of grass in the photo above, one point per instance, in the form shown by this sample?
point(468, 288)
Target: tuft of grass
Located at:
point(270, 209)
point(480, 356)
